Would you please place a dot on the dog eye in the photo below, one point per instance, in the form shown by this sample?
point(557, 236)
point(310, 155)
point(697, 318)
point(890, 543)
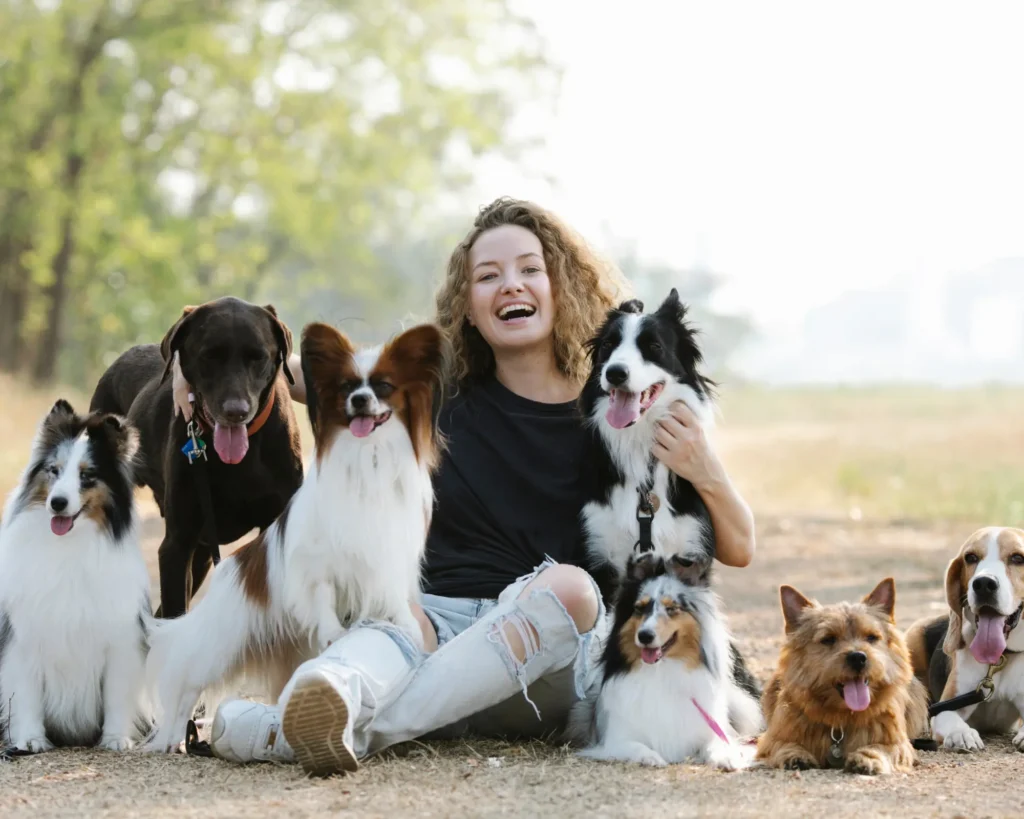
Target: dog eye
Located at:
point(1017, 559)
point(873, 638)
point(654, 347)
point(383, 389)
point(53, 470)
point(970, 559)
point(828, 641)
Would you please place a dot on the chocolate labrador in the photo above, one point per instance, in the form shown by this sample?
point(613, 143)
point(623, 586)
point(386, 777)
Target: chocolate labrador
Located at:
point(234, 355)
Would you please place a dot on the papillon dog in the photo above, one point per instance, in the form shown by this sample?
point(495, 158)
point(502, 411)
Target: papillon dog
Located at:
point(74, 591)
point(349, 545)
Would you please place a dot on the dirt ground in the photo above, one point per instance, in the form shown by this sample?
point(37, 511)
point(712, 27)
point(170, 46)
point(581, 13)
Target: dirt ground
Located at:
point(830, 560)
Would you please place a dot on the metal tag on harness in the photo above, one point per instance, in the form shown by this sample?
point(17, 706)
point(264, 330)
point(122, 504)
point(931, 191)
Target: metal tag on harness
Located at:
point(195, 447)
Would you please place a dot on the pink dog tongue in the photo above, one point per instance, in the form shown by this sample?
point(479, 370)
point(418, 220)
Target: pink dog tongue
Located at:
point(231, 442)
point(990, 641)
point(61, 525)
point(857, 695)
point(650, 655)
point(623, 408)
point(361, 425)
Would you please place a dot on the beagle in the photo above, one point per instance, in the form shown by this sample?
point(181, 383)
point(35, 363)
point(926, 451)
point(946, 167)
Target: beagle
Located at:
point(980, 637)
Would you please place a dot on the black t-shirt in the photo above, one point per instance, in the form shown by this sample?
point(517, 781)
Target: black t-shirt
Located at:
point(508, 491)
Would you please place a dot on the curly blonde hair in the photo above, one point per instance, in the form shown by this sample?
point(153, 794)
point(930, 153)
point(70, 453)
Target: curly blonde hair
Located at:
point(583, 287)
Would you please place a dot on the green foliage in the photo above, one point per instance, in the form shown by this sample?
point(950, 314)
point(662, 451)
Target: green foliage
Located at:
point(263, 149)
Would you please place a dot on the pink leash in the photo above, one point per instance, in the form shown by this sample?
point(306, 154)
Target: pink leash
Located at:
point(711, 722)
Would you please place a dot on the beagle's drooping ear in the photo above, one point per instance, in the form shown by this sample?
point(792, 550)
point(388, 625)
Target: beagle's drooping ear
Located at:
point(955, 599)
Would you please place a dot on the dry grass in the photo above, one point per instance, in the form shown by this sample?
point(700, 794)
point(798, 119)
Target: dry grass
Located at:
point(948, 460)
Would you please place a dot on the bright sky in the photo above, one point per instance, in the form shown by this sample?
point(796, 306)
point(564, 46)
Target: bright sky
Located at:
point(802, 149)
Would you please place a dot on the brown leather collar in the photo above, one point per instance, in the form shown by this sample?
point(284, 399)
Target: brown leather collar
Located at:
point(254, 426)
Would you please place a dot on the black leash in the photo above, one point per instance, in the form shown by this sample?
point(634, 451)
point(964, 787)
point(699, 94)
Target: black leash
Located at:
point(193, 746)
point(983, 693)
point(645, 508)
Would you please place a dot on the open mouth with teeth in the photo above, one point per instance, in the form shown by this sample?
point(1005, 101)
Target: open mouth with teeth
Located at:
point(625, 408)
point(855, 694)
point(651, 655)
point(363, 425)
point(993, 630)
point(512, 313)
point(62, 524)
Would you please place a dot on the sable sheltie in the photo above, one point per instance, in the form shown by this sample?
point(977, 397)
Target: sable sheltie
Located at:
point(667, 692)
point(74, 591)
point(348, 546)
point(844, 694)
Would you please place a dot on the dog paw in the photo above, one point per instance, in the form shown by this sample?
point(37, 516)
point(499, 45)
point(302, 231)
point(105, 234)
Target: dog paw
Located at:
point(651, 759)
point(1018, 740)
point(116, 743)
point(868, 763)
point(800, 763)
point(963, 740)
point(35, 745)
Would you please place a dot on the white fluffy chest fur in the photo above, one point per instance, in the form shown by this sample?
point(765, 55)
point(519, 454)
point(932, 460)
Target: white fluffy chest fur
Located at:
point(653, 705)
point(73, 604)
point(358, 524)
point(612, 528)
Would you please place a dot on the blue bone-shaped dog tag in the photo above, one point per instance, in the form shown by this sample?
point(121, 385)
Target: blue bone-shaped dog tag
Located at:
point(195, 447)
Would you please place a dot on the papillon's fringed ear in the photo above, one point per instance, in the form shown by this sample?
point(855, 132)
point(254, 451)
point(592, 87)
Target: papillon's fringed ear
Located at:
point(793, 605)
point(955, 600)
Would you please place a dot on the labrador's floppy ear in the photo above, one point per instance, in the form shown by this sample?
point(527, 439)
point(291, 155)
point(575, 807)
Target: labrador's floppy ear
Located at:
point(284, 341)
point(175, 337)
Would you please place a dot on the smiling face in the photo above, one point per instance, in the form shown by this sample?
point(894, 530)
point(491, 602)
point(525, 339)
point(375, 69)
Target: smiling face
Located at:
point(510, 299)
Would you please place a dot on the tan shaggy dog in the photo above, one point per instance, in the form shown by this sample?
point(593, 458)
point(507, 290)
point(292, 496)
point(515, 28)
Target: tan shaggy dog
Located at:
point(844, 694)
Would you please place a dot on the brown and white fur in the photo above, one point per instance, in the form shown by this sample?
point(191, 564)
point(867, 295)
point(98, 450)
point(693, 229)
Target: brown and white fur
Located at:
point(844, 675)
point(952, 653)
point(347, 548)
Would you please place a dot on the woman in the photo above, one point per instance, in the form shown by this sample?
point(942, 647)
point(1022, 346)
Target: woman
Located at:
point(508, 621)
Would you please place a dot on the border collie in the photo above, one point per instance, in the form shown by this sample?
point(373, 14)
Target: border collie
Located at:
point(640, 364)
point(667, 692)
point(348, 547)
point(74, 591)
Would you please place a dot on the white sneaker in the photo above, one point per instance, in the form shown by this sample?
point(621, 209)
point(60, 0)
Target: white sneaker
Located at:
point(245, 731)
point(317, 721)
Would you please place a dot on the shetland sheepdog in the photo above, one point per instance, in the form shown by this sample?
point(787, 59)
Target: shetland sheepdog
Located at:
point(349, 546)
point(74, 591)
point(667, 692)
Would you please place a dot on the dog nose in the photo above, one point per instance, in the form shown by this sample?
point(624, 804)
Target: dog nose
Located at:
point(58, 504)
point(645, 637)
point(617, 375)
point(857, 660)
point(360, 401)
point(984, 585)
point(236, 410)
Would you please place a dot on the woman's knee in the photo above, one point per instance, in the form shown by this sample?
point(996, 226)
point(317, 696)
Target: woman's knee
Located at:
point(574, 589)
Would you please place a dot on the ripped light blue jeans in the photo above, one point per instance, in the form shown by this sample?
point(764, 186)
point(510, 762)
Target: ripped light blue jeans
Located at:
point(473, 684)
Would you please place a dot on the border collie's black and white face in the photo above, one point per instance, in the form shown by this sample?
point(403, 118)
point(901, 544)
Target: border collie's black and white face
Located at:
point(640, 360)
point(81, 469)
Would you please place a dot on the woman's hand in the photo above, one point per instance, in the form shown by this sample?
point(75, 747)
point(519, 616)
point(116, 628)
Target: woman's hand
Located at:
point(180, 389)
point(682, 445)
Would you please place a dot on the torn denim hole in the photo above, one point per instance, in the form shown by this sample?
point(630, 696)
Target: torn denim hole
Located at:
point(531, 636)
point(410, 651)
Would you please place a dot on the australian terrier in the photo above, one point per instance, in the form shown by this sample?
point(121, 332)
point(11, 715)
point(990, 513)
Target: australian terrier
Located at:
point(844, 694)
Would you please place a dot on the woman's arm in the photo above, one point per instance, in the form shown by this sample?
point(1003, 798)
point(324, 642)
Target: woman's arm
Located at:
point(683, 447)
point(181, 387)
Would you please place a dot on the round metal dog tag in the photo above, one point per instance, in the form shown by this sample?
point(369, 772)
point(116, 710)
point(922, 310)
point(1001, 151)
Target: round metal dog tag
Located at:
point(835, 755)
point(655, 502)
